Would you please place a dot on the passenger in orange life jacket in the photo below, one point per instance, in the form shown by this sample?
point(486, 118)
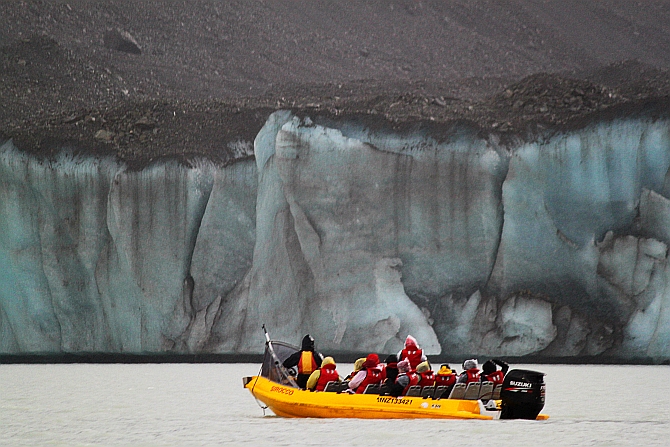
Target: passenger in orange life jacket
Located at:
point(491, 373)
point(445, 376)
point(327, 373)
point(406, 378)
point(426, 375)
point(307, 361)
point(370, 374)
point(412, 352)
point(470, 372)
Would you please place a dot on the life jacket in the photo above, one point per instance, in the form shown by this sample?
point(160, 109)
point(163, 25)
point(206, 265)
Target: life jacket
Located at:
point(473, 375)
point(413, 380)
point(372, 377)
point(495, 377)
point(413, 356)
point(426, 378)
point(307, 364)
point(328, 374)
point(445, 380)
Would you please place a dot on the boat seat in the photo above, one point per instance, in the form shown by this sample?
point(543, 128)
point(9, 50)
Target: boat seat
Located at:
point(486, 391)
point(495, 395)
point(428, 391)
point(472, 392)
point(440, 391)
point(336, 387)
point(414, 391)
point(374, 388)
point(458, 391)
point(384, 390)
point(344, 386)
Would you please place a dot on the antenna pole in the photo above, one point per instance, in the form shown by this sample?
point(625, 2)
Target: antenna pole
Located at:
point(267, 336)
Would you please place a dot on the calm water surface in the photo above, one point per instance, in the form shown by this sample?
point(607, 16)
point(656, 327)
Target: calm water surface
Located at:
point(205, 404)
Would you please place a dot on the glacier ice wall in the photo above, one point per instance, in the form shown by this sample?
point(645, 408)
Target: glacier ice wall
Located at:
point(357, 235)
point(94, 257)
point(342, 216)
point(512, 252)
point(561, 200)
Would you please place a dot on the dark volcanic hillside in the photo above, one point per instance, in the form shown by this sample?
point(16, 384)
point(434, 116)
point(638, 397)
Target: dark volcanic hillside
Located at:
point(148, 79)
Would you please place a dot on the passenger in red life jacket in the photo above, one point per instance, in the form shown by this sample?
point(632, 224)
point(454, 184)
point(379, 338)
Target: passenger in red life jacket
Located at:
point(358, 365)
point(491, 373)
point(445, 376)
point(412, 352)
point(406, 378)
point(370, 374)
point(470, 372)
point(307, 360)
point(426, 375)
point(327, 373)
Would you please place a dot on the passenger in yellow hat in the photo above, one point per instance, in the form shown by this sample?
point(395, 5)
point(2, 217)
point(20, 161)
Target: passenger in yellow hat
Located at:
point(326, 373)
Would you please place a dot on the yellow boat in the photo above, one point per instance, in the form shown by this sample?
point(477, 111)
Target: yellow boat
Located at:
point(275, 387)
point(288, 401)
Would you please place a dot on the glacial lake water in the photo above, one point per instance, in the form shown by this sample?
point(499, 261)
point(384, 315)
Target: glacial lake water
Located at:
point(205, 404)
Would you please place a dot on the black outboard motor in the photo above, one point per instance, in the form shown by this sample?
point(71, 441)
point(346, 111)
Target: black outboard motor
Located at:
point(522, 394)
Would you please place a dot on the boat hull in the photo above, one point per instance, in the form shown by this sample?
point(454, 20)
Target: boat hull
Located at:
point(292, 402)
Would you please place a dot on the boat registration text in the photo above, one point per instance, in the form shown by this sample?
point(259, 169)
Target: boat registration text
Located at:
point(394, 400)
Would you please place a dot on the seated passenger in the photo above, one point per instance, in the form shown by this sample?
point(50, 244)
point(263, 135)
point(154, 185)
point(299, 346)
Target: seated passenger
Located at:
point(370, 374)
point(307, 360)
point(358, 364)
point(412, 352)
point(390, 370)
point(470, 372)
point(445, 376)
point(491, 373)
point(327, 373)
point(426, 375)
point(406, 378)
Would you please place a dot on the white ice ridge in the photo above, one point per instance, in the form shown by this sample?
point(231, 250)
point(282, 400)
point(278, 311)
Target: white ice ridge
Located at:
point(358, 236)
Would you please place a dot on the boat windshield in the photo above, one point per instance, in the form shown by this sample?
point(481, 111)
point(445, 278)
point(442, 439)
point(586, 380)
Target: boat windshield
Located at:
point(275, 354)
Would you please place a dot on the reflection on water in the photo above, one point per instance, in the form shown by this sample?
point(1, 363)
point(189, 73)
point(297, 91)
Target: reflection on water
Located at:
point(205, 404)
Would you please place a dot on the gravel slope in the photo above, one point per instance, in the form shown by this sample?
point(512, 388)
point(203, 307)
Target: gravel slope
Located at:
point(143, 80)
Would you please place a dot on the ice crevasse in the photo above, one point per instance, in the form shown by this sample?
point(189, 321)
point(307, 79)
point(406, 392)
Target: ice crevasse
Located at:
point(358, 235)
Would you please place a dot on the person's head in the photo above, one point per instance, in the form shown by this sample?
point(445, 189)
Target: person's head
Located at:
point(371, 361)
point(307, 343)
point(391, 360)
point(445, 370)
point(488, 367)
point(411, 343)
point(470, 364)
point(328, 361)
point(358, 364)
point(423, 367)
point(403, 366)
